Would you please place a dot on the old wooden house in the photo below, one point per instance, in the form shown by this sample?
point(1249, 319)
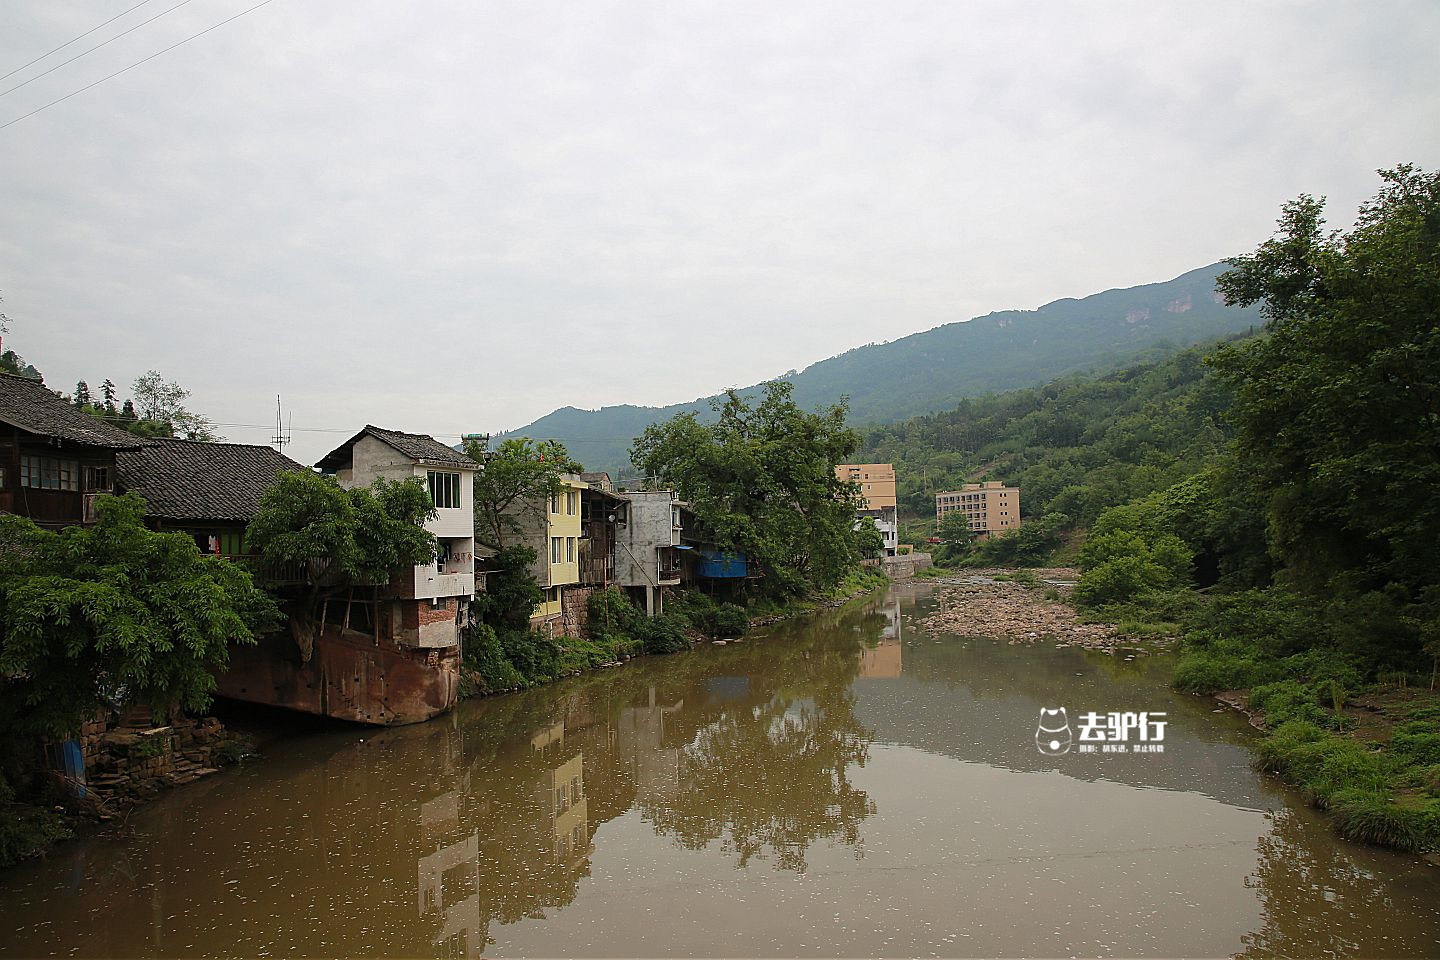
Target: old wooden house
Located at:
point(54, 459)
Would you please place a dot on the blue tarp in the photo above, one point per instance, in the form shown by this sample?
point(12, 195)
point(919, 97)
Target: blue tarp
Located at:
point(722, 564)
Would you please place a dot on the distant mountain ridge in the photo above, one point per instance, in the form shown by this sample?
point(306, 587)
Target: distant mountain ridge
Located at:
point(931, 371)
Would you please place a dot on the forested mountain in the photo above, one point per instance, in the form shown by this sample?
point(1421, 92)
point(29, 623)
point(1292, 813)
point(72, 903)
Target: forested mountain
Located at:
point(1074, 446)
point(932, 370)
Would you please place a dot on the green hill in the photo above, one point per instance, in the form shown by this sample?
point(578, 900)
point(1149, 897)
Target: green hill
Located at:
point(1076, 446)
point(935, 369)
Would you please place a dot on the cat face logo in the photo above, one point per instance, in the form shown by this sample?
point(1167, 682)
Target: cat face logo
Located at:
point(1052, 737)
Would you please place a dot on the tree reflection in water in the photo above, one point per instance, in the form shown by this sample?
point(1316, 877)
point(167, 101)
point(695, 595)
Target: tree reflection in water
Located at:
point(769, 775)
point(1315, 896)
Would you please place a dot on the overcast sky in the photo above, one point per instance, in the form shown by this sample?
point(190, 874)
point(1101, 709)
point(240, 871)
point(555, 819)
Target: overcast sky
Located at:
point(444, 217)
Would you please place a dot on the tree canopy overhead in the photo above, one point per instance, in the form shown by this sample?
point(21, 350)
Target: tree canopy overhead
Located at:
point(762, 479)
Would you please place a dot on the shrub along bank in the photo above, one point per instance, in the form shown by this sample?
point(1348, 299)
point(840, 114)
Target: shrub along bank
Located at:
point(509, 656)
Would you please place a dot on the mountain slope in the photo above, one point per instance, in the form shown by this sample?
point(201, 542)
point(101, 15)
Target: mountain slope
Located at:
point(933, 370)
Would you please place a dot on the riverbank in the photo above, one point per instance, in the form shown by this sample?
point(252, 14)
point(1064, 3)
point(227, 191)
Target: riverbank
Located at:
point(615, 631)
point(1021, 606)
point(1370, 759)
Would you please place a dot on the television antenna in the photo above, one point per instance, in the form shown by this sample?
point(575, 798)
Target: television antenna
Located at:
point(282, 427)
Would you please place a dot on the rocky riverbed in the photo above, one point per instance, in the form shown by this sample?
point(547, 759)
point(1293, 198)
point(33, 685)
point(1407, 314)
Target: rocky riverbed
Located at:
point(1030, 610)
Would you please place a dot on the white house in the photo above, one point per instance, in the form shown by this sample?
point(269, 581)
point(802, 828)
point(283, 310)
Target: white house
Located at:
point(432, 602)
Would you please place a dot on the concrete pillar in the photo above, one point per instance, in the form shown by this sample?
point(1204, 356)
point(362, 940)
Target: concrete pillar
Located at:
point(650, 601)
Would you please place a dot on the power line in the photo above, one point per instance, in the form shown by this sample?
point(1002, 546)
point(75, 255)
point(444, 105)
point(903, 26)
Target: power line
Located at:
point(97, 46)
point(68, 42)
point(135, 64)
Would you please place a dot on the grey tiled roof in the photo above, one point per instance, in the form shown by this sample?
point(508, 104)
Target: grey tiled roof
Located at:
point(29, 405)
point(416, 446)
point(197, 480)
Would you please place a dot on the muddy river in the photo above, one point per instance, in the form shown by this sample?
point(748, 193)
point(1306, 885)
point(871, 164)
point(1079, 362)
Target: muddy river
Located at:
point(849, 785)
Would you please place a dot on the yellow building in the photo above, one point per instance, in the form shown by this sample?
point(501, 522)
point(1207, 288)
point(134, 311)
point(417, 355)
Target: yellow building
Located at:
point(557, 565)
point(877, 486)
point(877, 482)
point(991, 507)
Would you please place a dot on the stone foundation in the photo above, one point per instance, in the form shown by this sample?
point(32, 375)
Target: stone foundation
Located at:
point(129, 758)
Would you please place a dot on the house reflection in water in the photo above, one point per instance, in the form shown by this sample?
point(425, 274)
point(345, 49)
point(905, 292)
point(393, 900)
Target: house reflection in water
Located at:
point(561, 793)
point(449, 878)
point(885, 659)
point(654, 769)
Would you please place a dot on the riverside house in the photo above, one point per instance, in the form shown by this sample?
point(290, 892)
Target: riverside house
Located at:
point(431, 602)
point(54, 459)
point(210, 490)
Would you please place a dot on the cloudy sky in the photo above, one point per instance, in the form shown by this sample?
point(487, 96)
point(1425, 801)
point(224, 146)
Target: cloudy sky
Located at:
point(445, 217)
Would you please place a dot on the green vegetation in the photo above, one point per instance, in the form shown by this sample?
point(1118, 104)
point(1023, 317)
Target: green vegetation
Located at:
point(115, 611)
point(1074, 447)
point(1315, 526)
point(112, 613)
point(156, 408)
point(762, 480)
point(331, 540)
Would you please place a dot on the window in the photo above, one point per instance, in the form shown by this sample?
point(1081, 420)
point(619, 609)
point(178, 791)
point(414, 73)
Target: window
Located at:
point(444, 490)
point(571, 502)
point(569, 549)
point(554, 503)
point(97, 478)
point(49, 473)
point(554, 549)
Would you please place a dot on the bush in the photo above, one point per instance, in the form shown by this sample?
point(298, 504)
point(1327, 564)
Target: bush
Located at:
point(1288, 700)
point(611, 612)
point(1417, 742)
point(26, 832)
point(1367, 818)
point(486, 662)
point(730, 620)
point(1224, 665)
point(534, 654)
point(663, 634)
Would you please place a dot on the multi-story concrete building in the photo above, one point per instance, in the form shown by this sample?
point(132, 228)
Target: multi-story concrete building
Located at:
point(990, 507)
point(558, 565)
point(433, 600)
point(877, 486)
point(647, 545)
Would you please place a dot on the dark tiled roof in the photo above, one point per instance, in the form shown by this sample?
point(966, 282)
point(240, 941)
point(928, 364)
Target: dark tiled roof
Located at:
point(196, 480)
point(416, 446)
point(29, 405)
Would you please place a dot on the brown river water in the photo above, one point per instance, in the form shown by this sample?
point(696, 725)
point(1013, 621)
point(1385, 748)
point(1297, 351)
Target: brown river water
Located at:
point(846, 785)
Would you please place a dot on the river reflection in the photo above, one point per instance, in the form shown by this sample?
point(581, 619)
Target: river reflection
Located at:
point(847, 786)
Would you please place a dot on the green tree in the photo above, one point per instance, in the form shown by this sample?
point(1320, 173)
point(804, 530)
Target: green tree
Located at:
point(115, 612)
point(107, 397)
point(160, 406)
point(516, 479)
point(956, 538)
point(339, 539)
point(762, 479)
point(1338, 405)
point(82, 395)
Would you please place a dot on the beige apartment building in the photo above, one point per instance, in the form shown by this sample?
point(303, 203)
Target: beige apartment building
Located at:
point(991, 507)
point(877, 486)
